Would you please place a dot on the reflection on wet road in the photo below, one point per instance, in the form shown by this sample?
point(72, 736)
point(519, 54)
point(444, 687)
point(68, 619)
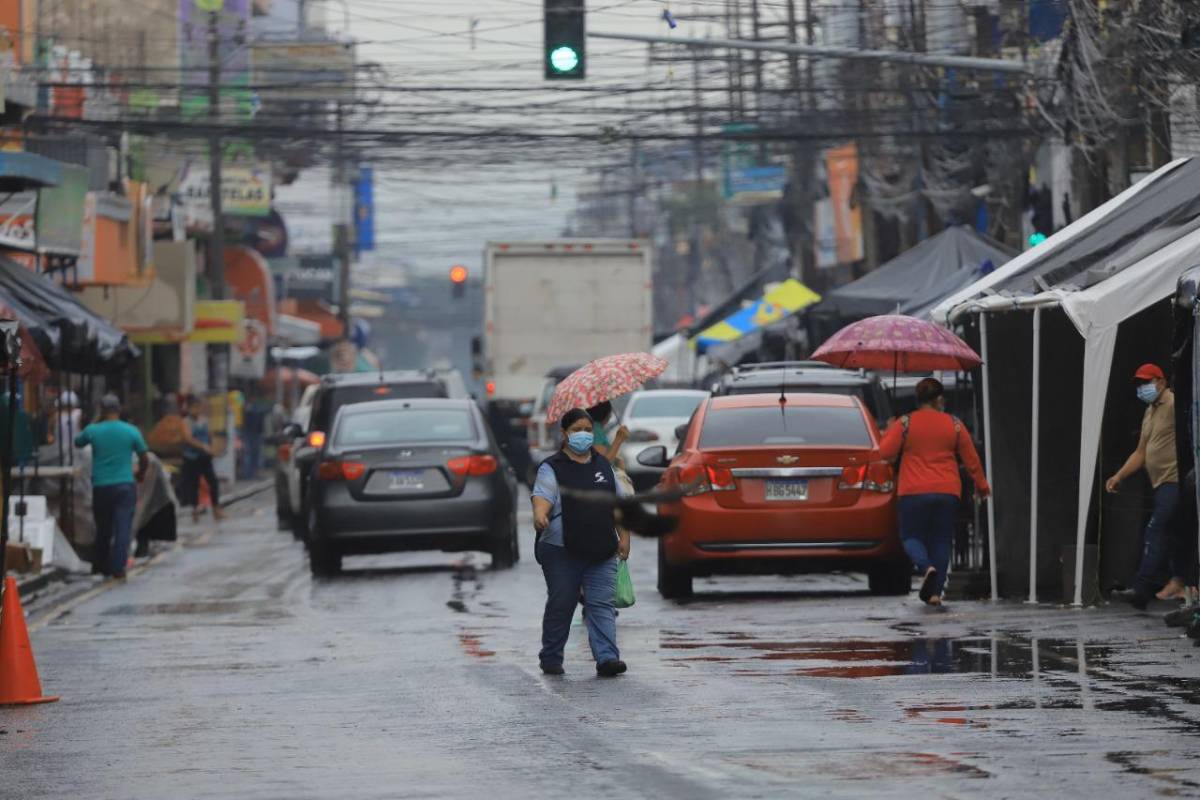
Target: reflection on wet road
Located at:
point(227, 672)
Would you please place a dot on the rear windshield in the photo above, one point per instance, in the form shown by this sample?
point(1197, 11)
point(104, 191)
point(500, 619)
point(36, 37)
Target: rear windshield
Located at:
point(405, 426)
point(675, 407)
point(797, 425)
point(852, 390)
point(347, 395)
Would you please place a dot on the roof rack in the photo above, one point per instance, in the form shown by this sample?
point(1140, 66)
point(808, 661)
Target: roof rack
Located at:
point(783, 365)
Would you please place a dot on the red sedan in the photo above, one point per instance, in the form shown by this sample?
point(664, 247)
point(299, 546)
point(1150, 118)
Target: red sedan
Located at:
point(780, 487)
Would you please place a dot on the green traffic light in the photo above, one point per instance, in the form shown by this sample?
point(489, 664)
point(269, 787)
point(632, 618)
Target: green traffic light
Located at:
point(1036, 238)
point(564, 59)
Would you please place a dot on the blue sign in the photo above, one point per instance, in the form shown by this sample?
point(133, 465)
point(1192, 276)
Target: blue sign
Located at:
point(768, 180)
point(364, 210)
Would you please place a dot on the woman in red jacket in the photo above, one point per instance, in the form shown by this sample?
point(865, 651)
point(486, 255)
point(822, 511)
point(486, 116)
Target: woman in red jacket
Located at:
point(929, 443)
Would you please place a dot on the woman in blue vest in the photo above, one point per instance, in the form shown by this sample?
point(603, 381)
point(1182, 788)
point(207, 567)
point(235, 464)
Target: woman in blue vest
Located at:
point(578, 546)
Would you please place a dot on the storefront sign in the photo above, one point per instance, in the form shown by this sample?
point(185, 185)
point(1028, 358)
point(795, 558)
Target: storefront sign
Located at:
point(250, 354)
point(218, 322)
point(245, 192)
point(60, 213)
point(17, 220)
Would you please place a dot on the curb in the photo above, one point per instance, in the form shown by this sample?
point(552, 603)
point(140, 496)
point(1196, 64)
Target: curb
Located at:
point(248, 492)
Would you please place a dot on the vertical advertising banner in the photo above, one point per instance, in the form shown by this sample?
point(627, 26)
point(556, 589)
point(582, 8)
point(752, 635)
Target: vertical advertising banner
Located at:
point(841, 164)
point(364, 210)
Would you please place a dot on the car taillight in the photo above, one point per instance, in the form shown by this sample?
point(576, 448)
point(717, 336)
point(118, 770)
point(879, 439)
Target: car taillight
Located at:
point(472, 465)
point(853, 477)
point(880, 477)
point(341, 470)
point(693, 480)
point(316, 439)
point(643, 436)
point(285, 452)
point(720, 479)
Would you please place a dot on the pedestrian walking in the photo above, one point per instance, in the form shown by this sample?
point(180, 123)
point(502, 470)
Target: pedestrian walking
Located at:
point(578, 546)
point(114, 486)
point(601, 414)
point(198, 462)
point(1155, 453)
point(929, 444)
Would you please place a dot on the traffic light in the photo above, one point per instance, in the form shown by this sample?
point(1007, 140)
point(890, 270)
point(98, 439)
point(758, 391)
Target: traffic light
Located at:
point(458, 281)
point(563, 47)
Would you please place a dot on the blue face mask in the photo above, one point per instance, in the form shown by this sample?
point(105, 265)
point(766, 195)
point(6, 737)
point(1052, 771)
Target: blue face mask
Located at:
point(580, 441)
point(1147, 393)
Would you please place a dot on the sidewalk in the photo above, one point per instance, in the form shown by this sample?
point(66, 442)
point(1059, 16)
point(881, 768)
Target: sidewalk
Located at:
point(27, 585)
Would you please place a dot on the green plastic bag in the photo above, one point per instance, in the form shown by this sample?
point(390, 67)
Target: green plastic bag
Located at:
point(624, 589)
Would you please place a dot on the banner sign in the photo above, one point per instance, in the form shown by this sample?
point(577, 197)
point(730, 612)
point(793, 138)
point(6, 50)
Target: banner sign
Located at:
point(245, 192)
point(364, 210)
point(250, 355)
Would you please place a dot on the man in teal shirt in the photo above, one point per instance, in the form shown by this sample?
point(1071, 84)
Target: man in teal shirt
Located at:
point(114, 492)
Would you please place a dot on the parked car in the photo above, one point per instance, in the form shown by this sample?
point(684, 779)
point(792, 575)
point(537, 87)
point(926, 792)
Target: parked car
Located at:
point(777, 489)
point(399, 475)
point(809, 376)
point(652, 417)
point(342, 389)
point(287, 476)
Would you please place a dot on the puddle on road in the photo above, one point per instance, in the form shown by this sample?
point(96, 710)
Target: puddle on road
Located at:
point(860, 765)
point(863, 658)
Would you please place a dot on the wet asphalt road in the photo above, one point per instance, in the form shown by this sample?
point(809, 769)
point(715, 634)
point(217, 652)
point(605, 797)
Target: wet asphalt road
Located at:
point(225, 671)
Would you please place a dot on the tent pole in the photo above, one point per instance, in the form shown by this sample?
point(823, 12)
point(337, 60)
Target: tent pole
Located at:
point(1033, 448)
point(987, 452)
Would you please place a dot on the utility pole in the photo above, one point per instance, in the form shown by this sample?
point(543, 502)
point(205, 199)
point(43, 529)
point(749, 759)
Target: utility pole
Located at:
point(803, 254)
point(341, 228)
point(698, 157)
point(633, 189)
point(216, 244)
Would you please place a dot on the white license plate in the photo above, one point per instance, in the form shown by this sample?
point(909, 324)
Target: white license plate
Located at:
point(407, 480)
point(787, 490)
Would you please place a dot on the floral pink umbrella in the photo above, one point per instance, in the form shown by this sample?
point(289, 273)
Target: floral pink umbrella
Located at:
point(898, 343)
point(603, 379)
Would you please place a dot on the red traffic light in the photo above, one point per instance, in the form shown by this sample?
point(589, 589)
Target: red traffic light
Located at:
point(458, 274)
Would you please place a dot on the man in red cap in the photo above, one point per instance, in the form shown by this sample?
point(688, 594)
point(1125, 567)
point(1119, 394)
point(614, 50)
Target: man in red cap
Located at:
point(1156, 454)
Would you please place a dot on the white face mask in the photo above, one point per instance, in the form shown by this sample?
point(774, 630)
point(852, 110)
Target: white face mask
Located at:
point(1148, 392)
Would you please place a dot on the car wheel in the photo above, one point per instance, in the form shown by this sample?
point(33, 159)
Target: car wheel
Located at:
point(891, 577)
point(674, 583)
point(300, 522)
point(507, 552)
point(324, 560)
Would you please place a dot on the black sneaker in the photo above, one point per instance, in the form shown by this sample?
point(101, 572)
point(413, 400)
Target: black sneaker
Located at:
point(1139, 601)
point(1193, 628)
point(611, 669)
point(927, 586)
point(552, 669)
point(1179, 617)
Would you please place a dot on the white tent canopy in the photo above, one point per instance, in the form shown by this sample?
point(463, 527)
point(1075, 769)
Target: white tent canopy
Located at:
point(1096, 312)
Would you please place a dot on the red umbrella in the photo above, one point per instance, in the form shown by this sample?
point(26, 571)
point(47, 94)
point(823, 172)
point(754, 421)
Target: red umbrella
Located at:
point(603, 379)
point(898, 343)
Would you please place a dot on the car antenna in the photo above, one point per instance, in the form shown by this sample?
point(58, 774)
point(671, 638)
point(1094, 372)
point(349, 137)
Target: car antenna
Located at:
point(783, 396)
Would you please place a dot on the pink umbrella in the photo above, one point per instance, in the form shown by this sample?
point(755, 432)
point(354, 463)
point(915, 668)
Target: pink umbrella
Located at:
point(898, 343)
point(603, 379)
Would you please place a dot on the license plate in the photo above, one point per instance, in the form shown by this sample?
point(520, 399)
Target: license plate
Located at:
point(407, 480)
point(787, 490)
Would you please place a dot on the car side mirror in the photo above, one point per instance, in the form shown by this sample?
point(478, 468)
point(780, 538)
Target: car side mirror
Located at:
point(291, 431)
point(681, 432)
point(654, 457)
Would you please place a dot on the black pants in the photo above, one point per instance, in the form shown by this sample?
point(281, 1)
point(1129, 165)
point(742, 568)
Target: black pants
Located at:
point(193, 470)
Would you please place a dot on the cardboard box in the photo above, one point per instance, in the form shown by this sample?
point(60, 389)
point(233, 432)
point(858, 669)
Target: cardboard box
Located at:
point(22, 558)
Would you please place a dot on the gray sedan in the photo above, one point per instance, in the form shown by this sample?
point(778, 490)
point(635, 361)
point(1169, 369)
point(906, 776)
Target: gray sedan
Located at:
point(420, 474)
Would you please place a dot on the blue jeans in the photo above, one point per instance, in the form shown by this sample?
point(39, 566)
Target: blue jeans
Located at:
point(113, 508)
point(565, 576)
point(927, 531)
point(1152, 573)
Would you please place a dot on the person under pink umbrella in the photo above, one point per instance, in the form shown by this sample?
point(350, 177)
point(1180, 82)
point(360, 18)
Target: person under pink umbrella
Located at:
point(929, 444)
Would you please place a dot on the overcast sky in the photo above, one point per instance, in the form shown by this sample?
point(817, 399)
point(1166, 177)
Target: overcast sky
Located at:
point(434, 209)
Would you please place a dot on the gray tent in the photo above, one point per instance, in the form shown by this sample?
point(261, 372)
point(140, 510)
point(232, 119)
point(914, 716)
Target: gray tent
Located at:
point(915, 279)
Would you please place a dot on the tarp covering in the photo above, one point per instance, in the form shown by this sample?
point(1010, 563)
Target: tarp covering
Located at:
point(1102, 271)
point(915, 277)
point(89, 343)
point(786, 298)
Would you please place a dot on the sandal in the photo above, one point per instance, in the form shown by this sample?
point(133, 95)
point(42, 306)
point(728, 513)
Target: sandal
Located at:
point(927, 585)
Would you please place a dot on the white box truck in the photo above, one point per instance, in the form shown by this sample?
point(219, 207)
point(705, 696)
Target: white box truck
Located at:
point(555, 303)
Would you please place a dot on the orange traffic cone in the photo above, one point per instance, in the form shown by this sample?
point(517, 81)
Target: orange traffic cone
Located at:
point(19, 684)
